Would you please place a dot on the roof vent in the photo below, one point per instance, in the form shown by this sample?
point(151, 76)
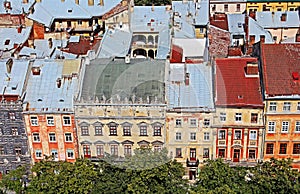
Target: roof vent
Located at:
point(295, 76)
point(240, 97)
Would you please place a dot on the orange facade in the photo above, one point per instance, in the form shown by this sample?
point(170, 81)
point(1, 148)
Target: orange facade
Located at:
point(52, 135)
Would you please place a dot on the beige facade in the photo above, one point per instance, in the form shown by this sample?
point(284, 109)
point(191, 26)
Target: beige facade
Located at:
point(219, 6)
point(119, 129)
point(189, 139)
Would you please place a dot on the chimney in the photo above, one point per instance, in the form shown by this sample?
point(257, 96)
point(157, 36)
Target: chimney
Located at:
point(19, 29)
point(252, 40)
point(25, 1)
point(251, 68)
point(77, 2)
point(7, 5)
point(152, 7)
point(187, 79)
point(91, 2)
point(50, 43)
point(36, 70)
point(262, 38)
point(101, 3)
point(283, 17)
point(62, 1)
point(252, 14)
point(58, 82)
point(124, 2)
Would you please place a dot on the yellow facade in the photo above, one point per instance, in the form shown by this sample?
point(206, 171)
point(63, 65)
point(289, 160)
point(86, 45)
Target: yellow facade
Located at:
point(272, 6)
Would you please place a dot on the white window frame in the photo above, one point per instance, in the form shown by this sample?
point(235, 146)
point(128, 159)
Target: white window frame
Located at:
point(36, 137)
point(50, 137)
point(178, 136)
point(67, 135)
point(38, 151)
point(206, 122)
point(286, 106)
point(238, 117)
point(285, 125)
point(178, 123)
point(193, 136)
point(70, 151)
point(206, 136)
point(34, 121)
point(271, 125)
point(193, 122)
point(54, 153)
point(50, 121)
point(222, 116)
point(297, 126)
point(235, 134)
point(273, 106)
point(251, 133)
point(298, 106)
point(66, 118)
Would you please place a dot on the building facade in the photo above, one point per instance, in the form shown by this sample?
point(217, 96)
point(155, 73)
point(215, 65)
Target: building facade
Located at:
point(272, 6)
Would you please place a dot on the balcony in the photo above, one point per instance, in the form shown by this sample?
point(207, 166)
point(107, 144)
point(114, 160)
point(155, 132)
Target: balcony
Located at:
point(193, 162)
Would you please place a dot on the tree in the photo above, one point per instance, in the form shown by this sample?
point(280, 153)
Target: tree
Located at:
point(63, 177)
point(14, 180)
point(144, 172)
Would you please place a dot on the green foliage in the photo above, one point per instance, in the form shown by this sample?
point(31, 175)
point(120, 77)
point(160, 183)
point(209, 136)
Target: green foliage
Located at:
point(14, 180)
point(62, 177)
point(150, 2)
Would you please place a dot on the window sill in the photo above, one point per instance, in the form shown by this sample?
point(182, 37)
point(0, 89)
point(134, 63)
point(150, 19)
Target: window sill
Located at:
point(144, 135)
point(113, 135)
point(127, 135)
point(98, 134)
point(85, 134)
point(157, 135)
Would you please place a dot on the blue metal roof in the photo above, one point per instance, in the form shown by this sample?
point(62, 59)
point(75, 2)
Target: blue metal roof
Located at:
point(269, 19)
point(17, 6)
point(10, 36)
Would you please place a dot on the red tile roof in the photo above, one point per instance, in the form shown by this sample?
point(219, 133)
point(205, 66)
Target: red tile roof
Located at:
point(233, 88)
point(280, 61)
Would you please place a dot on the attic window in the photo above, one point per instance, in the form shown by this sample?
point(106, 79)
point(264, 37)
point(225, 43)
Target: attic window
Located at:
point(61, 100)
point(70, 10)
point(7, 41)
point(239, 25)
point(295, 76)
point(39, 100)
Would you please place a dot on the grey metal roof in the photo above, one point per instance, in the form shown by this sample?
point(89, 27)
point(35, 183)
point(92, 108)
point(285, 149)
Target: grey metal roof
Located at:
point(12, 83)
point(115, 43)
point(42, 92)
point(257, 30)
point(198, 94)
point(43, 45)
point(27, 51)
point(114, 81)
point(273, 19)
point(235, 23)
point(13, 36)
point(45, 12)
point(192, 47)
point(17, 6)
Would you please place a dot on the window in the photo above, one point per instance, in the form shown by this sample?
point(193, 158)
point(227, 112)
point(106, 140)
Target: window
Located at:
point(113, 130)
point(126, 131)
point(54, 154)
point(143, 130)
point(70, 153)
point(86, 151)
point(50, 121)
point(298, 106)
point(157, 130)
point(84, 130)
point(253, 135)
point(271, 128)
point(297, 126)
point(237, 134)
point(38, 153)
point(238, 7)
point(285, 127)
point(282, 149)
point(254, 117)
point(114, 150)
point(205, 152)
point(34, 121)
point(98, 130)
point(225, 7)
point(273, 106)
point(213, 8)
point(2, 150)
point(193, 136)
point(286, 106)
point(127, 150)
point(252, 154)
point(14, 131)
point(178, 153)
point(12, 116)
point(68, 137)
point(79, 22)
point(178, 122)
point(192, 153)
point(18, 150)
point(157, 148)
point(100, 150)
point(66, 120)
point(221, 153)
point(270, 148)
point(222, 134)
point(296, 148)
point(206, 122)
point(193, 122)
point(36, 137)
point(222, 116)
point(52, 137)
point(206, 136)
point(238, 116)
point(178, 136)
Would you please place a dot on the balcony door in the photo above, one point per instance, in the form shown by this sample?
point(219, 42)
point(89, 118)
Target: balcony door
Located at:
point(236, 155)
point(193, 154)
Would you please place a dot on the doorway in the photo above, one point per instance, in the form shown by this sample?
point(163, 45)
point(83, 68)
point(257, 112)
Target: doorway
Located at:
point(236, 155)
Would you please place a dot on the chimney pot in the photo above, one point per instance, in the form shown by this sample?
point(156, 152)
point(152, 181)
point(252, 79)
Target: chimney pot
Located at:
point(262, 38)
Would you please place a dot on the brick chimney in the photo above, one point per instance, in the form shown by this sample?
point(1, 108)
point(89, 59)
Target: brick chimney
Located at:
point(36, 70)
point(297, 37)
point(262, 38)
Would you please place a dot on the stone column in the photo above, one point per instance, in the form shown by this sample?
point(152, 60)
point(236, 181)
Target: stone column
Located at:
point(229, 137)
point(245, 146)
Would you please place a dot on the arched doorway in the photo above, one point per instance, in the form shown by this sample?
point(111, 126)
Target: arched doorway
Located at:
point(139, 52)
point(151, 54)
